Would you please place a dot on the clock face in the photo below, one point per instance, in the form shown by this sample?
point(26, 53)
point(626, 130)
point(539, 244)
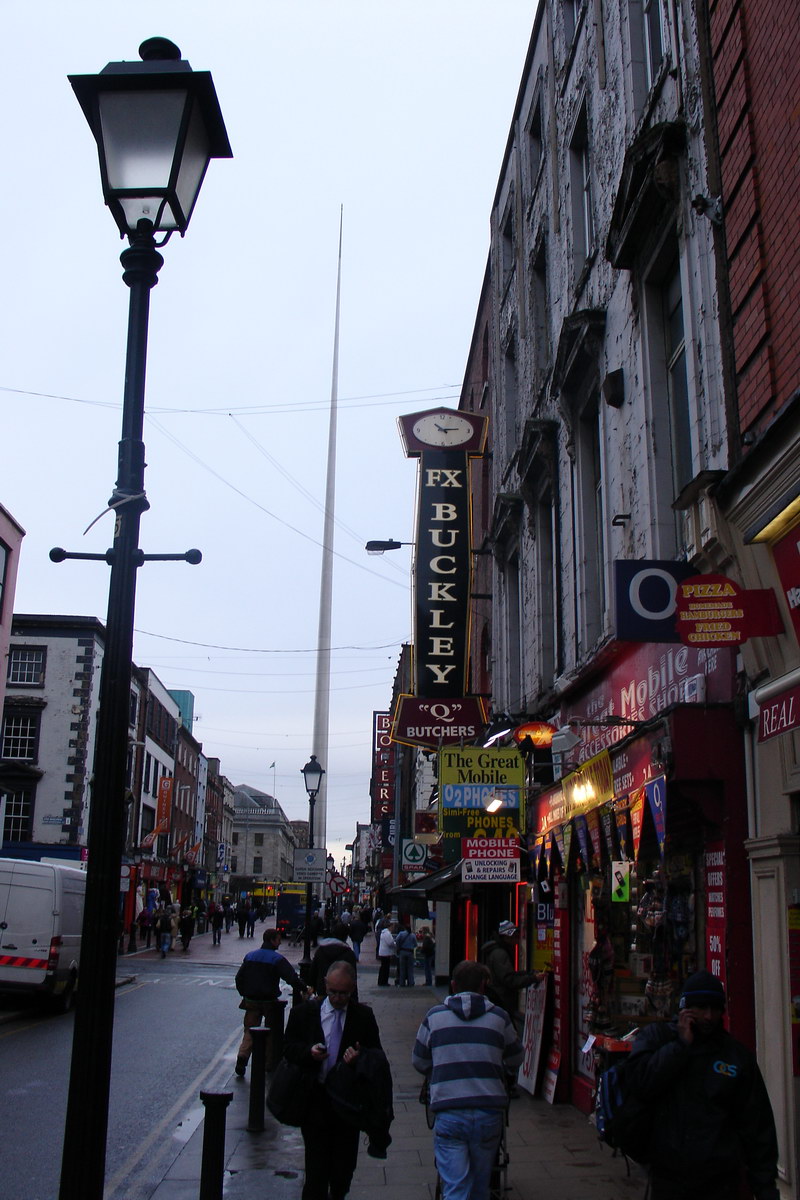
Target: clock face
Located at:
point(443, 429)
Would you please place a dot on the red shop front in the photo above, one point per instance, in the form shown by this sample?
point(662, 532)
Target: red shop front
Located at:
point(641, 876)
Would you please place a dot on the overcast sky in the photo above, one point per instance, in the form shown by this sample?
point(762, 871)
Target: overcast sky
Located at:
point(399, 112)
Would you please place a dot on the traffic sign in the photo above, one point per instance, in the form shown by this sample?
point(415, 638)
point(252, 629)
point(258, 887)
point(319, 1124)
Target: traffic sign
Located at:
point(337, 885)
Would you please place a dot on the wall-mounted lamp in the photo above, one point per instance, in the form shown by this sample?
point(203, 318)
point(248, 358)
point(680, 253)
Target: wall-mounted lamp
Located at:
point(493, 802)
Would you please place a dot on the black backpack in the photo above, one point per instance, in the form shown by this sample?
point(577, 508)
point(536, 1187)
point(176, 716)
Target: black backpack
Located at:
point(623, 1121)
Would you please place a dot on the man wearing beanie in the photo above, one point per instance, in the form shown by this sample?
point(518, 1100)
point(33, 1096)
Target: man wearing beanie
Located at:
point(712, 1121)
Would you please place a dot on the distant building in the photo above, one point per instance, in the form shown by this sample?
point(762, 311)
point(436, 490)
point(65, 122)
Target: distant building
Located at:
point(263, 841)
point(11, 535)
point(48, 735)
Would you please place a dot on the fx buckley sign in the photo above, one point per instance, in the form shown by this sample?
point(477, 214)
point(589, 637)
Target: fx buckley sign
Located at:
point(442, 575)
point(439, 713)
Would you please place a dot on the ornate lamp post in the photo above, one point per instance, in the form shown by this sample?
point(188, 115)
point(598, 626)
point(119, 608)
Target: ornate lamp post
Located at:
point(312, 777)
point(157, 124)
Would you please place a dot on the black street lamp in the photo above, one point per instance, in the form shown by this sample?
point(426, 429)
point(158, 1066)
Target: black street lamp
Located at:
point(312, 777)
point(157, 124)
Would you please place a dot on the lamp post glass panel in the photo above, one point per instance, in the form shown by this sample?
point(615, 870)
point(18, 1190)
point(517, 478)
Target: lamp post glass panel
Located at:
point(312, 777)
point(157, 124)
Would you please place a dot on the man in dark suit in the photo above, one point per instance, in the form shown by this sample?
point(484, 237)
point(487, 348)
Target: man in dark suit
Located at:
point(321, 1033)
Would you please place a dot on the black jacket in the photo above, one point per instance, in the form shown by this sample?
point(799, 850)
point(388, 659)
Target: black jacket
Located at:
point(330, 950)
point(711, 1111)
point(304, 1030)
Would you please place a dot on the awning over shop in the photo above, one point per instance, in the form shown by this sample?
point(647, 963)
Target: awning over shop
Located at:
point(430, 887)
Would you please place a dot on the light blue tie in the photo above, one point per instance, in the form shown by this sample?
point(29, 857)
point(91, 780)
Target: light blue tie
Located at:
point(334, 1039)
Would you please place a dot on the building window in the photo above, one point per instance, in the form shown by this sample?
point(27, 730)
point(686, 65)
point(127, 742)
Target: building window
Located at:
point(513, 631)
point(234, 863)
point(538, 307)
point(510, 397)
point(652, 40)
point(258, 864)
point(508, 249)
point(590, 541)
point(581, 193)
point(258, 839)
point(19, 810)
point(535, 142)
point(571, 10)
point(4, 556)
point(20, 732)
point(133, 709)
point(677, 380)
point(235, 839)
point(26, 666)
point(546, 581)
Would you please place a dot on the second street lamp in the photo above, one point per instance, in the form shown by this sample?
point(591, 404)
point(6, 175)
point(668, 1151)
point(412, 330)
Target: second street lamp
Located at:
point(312, 777)
point(157, 124)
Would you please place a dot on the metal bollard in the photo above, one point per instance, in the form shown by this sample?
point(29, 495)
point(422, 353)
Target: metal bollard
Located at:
point(258, 1079)
point(213, 1163)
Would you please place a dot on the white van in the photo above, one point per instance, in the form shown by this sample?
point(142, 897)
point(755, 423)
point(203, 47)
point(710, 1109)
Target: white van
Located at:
point(41, 914)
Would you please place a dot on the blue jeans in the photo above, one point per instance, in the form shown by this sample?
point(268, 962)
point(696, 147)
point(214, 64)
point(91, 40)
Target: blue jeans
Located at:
point(465, 1142)
point(405, 968)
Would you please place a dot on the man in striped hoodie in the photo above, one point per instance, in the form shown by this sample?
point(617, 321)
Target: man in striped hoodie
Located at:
point(469, 1050)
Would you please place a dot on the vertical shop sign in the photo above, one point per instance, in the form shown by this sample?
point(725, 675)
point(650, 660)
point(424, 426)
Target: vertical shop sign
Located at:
point(636, 810)
point(656, 792)
point(622, 832)
point(547, 853)
point(582, 831)
point(566, 831)
point(716, 924)
point(383, 767)
point(558, 836)
point(607, 824)
point(593, 822)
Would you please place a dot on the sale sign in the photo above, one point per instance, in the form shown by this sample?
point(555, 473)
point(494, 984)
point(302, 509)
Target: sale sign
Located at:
point(716, 950)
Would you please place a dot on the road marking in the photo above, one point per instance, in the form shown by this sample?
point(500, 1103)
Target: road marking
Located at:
point(216, 1073)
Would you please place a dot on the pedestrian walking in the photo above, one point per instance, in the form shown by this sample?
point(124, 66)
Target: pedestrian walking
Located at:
point(468, 1049)
point(217, 921)
point(258, 982)
point(164, 930)
point(227, 908)
point(427, 952)
point(186, 926)
point(330, 950)
point(333, 1028)
point(357, 931)
point(145, 923)
point(712, 1121)
point(241, 918)
point(251, 920)
point(406, 943)
point(386, 953)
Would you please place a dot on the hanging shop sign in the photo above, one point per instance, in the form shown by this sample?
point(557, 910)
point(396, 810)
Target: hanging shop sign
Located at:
point(636, 810)
point(656, 793)
point(472, 778)
point(590, 786)
point(661, 601)
point(382, 784)
point(539, 733)
point(713, 610)
point(480, 870)
point(445, 441)
point(435, 723)
point(779, 715)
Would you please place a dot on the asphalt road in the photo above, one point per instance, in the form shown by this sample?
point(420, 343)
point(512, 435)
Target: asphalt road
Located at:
point(176, 1030)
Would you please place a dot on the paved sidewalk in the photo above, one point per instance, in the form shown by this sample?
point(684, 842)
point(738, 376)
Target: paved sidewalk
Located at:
point(551, 1148)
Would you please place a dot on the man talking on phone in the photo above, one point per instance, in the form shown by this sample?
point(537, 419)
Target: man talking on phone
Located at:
point(713, 1133)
